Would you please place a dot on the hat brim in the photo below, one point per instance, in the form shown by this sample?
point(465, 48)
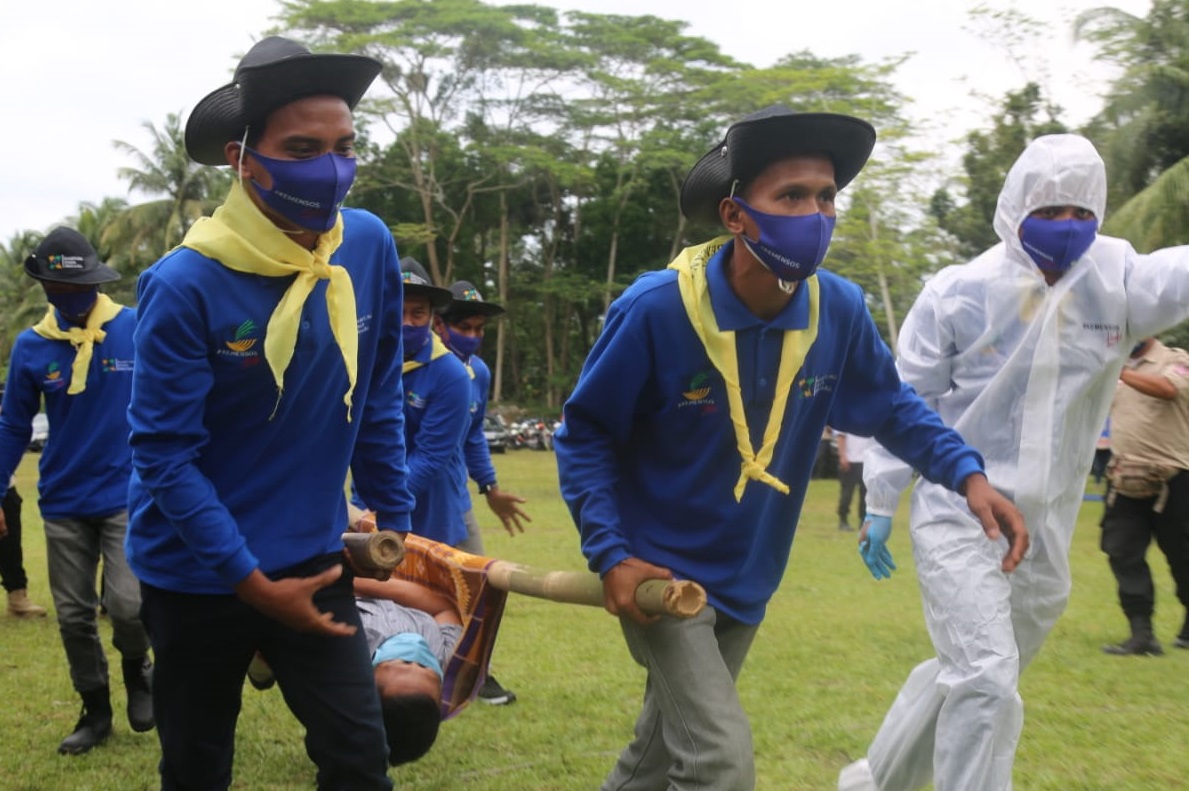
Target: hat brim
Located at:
point(92, 277)
point(471, 307)
point(221, 115)
point(439, 298)
point(750, 146)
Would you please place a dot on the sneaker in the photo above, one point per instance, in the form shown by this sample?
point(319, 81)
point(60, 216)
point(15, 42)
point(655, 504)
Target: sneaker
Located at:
point(260, 674)
point(845, 527)
point(1182, 641)
point(491, 692)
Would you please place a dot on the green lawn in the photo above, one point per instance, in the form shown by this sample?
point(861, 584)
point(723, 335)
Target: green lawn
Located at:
point(833, 651)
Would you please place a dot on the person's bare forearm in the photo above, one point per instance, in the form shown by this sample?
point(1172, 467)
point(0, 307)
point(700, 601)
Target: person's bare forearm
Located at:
point(1149, 385)
point(409, 594)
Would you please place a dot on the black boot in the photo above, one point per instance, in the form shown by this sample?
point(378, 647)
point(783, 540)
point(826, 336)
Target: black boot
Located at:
point(138, 683)
point(1182, 640)
point(94, 723)
point(1141, 643)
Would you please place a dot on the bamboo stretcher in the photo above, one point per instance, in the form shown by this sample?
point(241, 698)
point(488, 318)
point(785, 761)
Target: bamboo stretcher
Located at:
point(382, 551)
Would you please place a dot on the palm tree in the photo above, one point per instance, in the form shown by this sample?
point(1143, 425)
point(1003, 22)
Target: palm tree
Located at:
point(1143, 130)
point(1159, 215)
point(98, 222)
point(145, 231)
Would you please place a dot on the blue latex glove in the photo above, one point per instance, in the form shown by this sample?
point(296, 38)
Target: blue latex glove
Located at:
point(874, 548)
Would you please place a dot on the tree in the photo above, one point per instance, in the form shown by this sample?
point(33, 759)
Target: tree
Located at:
point(642, 72)
point(1024, 115)
point(145, 231)
point(20, 295)
point(1143, 128)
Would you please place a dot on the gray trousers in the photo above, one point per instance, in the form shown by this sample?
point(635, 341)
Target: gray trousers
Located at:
point(74, 548)
point(473, 543)
point(692, 732)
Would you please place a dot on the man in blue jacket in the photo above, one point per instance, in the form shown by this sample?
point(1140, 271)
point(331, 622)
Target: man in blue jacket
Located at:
point(461, 327)
point(688, 442)
point(268, 362)
point(437, 413)
point(78, 359)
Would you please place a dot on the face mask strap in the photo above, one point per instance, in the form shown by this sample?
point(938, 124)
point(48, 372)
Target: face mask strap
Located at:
point(239, 166)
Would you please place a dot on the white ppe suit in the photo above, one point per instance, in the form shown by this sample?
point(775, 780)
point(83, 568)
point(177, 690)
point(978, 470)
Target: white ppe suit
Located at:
point(1025, 372)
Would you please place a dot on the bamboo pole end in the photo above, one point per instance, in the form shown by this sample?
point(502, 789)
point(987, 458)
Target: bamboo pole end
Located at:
point(684, 598)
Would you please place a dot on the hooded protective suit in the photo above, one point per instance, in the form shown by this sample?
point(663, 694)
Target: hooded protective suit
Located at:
point(1025, 372)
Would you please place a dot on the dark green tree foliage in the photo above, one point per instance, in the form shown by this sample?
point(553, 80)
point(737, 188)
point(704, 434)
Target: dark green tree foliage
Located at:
point(1143, 129)
point(21, 296)
point(1024, 115)
point(540, 155)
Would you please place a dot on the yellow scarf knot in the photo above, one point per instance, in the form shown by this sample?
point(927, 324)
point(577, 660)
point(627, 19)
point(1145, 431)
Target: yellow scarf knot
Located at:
point(241, 238)
point(83, 339)
point(694, 286)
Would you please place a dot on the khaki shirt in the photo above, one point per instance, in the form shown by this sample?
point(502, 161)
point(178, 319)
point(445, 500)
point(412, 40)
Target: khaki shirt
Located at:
point(1149, 429)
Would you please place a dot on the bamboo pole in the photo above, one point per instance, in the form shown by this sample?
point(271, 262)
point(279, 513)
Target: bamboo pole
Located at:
point(375, 554)
point(678, 598)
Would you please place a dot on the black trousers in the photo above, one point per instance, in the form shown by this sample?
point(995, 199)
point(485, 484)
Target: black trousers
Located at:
point(202, 646)
point(847, 482)
point(12, 558)
point(1128, 527)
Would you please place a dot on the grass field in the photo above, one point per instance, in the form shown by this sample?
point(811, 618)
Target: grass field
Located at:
point(829, 659)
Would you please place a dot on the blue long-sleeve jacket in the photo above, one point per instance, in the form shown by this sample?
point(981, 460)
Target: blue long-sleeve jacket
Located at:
point(437, 416)
point(84, 468)
point(475, 450)
point(221, 485)
point(647, 454)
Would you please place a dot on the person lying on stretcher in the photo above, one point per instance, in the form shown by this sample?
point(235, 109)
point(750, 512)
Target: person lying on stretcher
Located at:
point(411, 632)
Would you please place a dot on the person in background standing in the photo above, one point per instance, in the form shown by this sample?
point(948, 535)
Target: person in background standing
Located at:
point(79, 360)
point(1148, 495)
point(851, 448)
point(13, 578)
point(461, 327)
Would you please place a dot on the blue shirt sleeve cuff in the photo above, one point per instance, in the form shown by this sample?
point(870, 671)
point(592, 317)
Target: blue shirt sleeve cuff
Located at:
point(608, 561)
point(237, 569)
point(967, 467)
point(398, 522)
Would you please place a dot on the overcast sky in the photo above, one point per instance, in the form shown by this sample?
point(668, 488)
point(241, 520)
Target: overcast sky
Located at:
point(77, 74)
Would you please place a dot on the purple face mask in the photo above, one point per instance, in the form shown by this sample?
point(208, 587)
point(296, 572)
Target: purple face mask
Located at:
point(463, 345)
point(792, 247)
point(72, 304)
point(307, 192)
point(414, 338)
point(1055, 244)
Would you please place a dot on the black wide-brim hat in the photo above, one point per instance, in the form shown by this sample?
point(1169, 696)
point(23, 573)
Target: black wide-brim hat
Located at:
point(417, 283)
point(469, 302)
point(275, 72)
point(767, 136)
point(65, 256)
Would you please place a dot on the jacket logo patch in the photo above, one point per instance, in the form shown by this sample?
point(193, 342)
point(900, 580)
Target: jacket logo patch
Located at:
point(697, 394)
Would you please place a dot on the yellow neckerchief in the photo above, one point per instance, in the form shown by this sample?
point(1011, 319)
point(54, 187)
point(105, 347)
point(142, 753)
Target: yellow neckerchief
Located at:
point(83, 339)
point(240, 237)
point(720, 348)
point(438, 350)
